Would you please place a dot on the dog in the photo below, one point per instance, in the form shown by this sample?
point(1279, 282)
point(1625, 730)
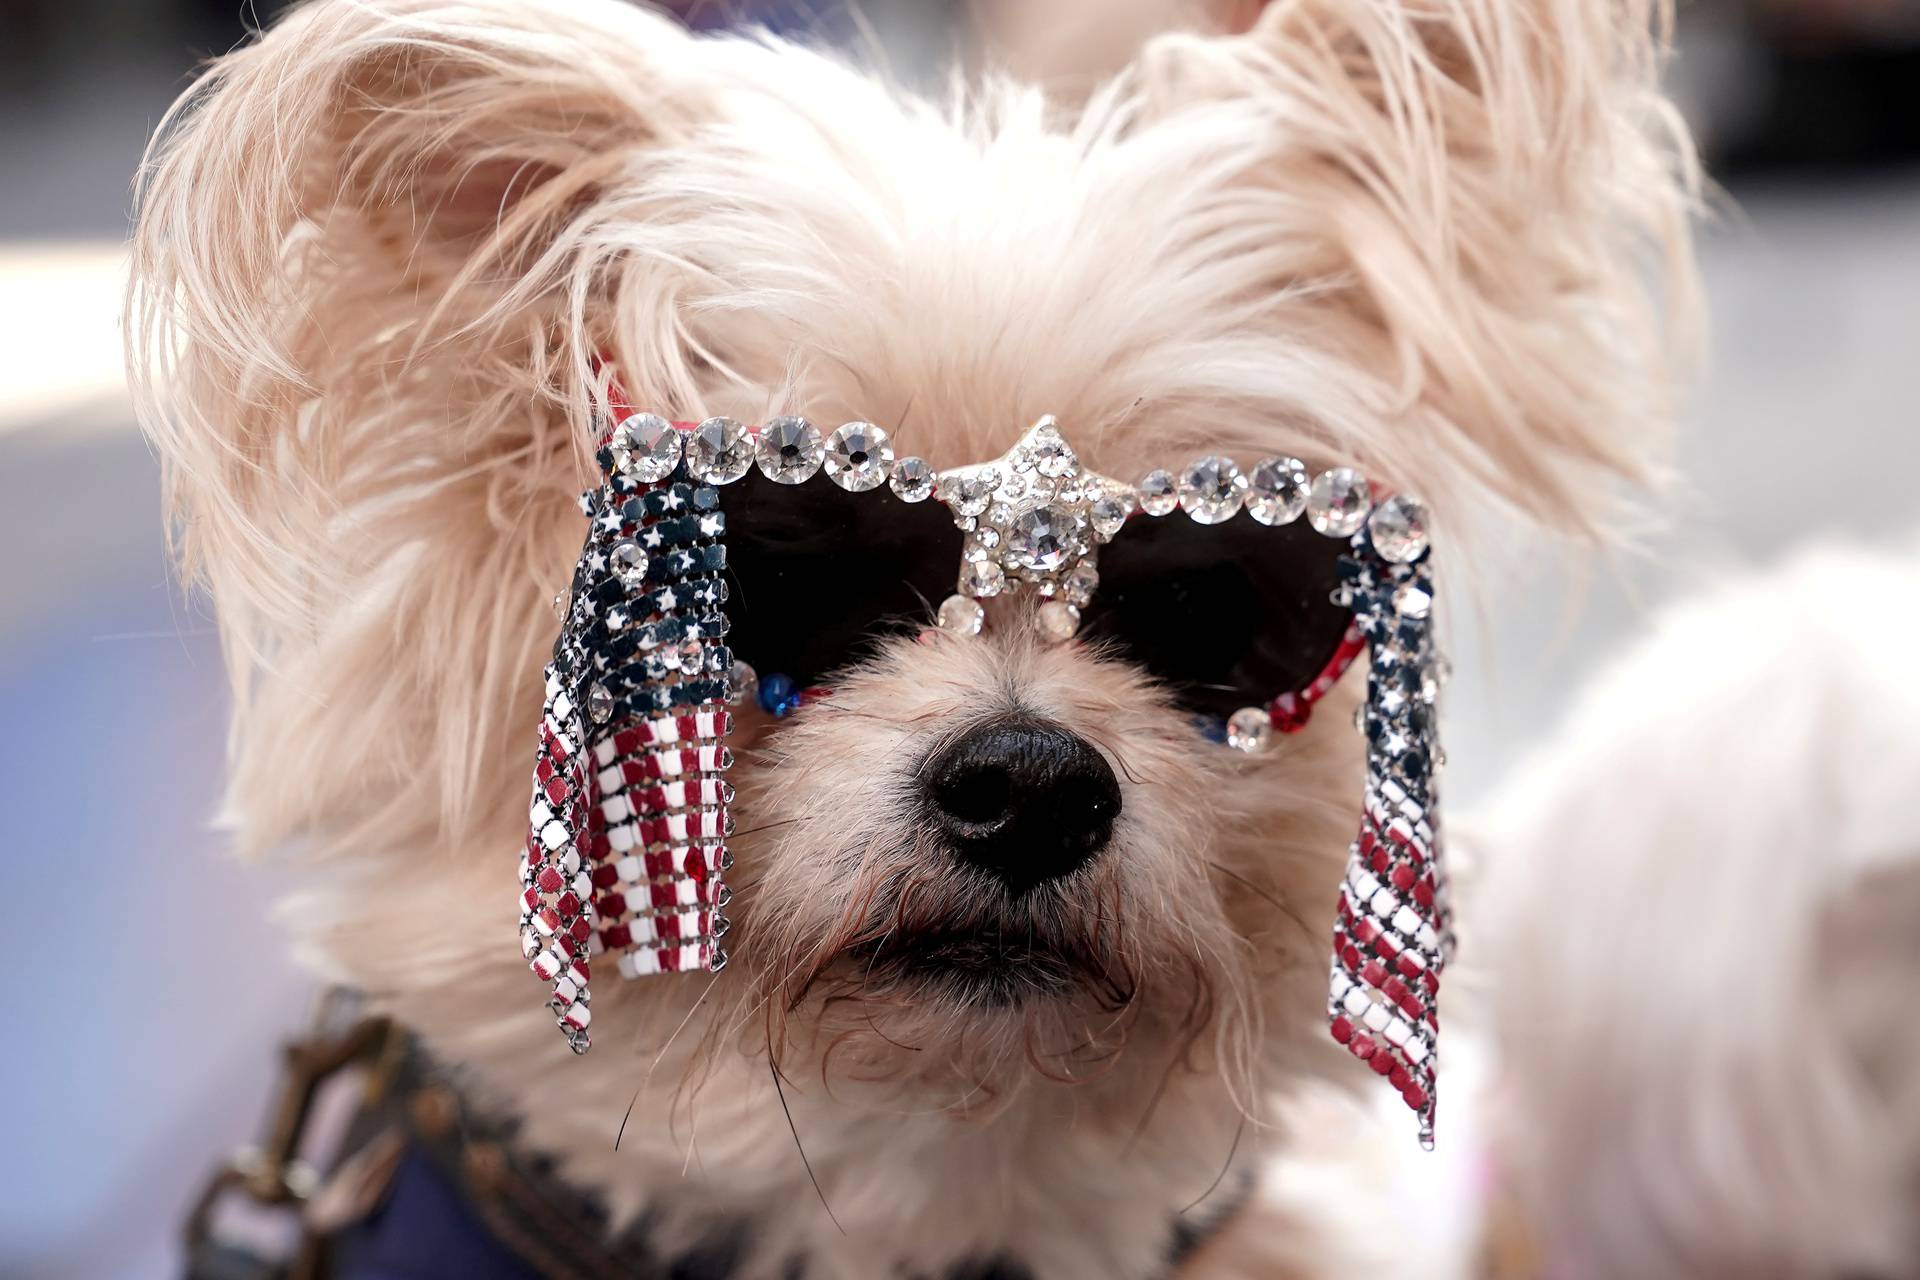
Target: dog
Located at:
point(1696, 928)
point(384, 257)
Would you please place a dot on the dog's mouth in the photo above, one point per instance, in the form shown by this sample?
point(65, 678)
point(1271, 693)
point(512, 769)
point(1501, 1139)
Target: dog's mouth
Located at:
point(987, 967)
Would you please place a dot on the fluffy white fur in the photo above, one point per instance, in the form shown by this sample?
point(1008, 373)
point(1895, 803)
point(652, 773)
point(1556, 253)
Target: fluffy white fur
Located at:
point(1699, 921)
point(378, 250)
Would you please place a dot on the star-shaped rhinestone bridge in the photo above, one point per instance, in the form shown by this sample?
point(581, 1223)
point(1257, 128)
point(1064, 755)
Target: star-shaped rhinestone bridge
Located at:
point(1034, 519)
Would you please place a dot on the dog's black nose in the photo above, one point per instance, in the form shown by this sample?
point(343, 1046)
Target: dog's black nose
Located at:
point(1022, 798)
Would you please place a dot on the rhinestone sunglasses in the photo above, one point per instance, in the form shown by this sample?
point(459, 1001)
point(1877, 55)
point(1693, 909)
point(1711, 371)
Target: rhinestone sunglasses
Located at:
point(1246, 594)
point(1238, 618)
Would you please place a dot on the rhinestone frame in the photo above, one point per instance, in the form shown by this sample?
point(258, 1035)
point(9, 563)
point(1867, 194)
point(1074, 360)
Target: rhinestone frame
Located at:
point(1041, 475)
point(1040, 483)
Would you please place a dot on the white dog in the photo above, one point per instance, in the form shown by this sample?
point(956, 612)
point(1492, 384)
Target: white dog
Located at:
point(1699, 922)
point(380, 253)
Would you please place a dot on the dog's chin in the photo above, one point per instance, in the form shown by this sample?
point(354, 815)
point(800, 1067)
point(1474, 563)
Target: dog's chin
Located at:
point(975, 969)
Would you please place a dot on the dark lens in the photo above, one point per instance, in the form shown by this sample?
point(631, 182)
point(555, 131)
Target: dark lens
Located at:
point(816, 573)
point(1228, 615)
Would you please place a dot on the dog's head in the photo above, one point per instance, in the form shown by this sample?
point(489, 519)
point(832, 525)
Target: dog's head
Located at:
point(382, 250)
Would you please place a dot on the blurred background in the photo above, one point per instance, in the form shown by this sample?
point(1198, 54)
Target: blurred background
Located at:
point(146, 1051)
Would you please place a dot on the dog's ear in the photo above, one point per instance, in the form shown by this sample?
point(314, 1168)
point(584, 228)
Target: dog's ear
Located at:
point(1482, 207)
point(362, 326)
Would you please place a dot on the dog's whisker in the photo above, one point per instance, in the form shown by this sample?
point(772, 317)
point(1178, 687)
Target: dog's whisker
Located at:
point(1159, 1091)
point(767, 995)
point(875, 1028)
point(1116, 755)
point(705, 991)
point(1265, 895)
point(658, 1058)
point(794, 1129)
point(1233, 1149)
point(769, 826)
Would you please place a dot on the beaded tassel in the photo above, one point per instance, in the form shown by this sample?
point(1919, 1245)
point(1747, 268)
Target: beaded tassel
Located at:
point(625, 844)
point(1394, 932)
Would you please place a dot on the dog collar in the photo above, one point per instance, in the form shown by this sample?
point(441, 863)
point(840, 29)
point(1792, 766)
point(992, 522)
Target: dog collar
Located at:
point(387, 1168)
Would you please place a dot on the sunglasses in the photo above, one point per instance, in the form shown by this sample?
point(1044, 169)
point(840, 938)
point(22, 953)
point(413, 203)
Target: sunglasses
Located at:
point(1209, 580)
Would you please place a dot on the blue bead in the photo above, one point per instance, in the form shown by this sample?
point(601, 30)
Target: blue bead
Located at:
point(777, 694)
point(1212, 728)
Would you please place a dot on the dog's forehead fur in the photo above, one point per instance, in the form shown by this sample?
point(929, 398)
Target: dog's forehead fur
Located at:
point(1225, 248)
point(380, 253)
point(857, 255)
